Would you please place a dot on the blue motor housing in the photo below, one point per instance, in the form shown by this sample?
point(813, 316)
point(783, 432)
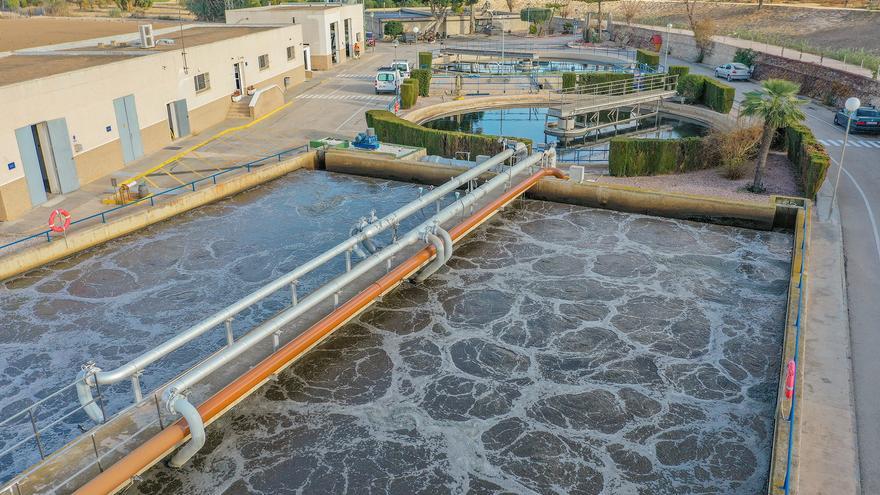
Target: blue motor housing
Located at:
point(366, 142)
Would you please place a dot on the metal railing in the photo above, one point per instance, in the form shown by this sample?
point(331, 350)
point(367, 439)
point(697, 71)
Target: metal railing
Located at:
point(798, 323)
point(592, 94)
point(151, 199)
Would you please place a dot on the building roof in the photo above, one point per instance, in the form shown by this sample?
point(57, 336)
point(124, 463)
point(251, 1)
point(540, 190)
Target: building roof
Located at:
point(17, 33)
point(27, 65)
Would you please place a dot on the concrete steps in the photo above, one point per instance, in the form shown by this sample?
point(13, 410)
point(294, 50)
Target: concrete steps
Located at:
point(240, 109)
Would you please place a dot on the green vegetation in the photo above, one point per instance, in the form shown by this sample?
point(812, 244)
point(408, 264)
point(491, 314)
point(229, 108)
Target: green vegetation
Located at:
point(647, 57)
point(718, 96)
point(629, 157)
point(569, 80)
point(777, 103)
point(394, 28)
point(425, 60)
point(809, 158)
point(212, 11)
point(409, 93)
point(393, 129)
point(423, 76)
point(706, 90)
point(746, 56)
point(678, 70)
point(535, 15)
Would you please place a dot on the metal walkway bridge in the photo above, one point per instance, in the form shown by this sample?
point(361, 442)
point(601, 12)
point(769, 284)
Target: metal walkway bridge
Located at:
point(124, 442)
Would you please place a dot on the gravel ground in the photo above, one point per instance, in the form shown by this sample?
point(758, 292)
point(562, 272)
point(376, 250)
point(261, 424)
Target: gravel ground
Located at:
point(778, 179)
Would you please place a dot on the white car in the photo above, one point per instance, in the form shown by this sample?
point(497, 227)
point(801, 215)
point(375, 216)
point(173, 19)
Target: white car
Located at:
point(387, 80)
point(733, 71)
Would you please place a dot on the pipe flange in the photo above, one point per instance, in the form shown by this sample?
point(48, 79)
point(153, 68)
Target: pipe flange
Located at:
point(89, 370)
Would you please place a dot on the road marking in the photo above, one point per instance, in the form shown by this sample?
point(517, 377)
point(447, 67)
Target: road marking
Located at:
point(857, 143)
point(867, 206)
point(348, 75)
point(324, 96)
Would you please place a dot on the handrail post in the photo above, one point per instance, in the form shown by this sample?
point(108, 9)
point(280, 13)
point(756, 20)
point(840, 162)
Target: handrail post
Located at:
point(230, 337)
point(136, 386)
point(36, 433)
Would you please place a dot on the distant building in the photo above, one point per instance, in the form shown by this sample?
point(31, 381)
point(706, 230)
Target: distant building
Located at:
point(454, 24)
point(76, 111)
point(330, 30)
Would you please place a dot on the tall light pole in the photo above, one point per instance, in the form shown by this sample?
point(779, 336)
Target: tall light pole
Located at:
point(666, 48)
point(851, 105)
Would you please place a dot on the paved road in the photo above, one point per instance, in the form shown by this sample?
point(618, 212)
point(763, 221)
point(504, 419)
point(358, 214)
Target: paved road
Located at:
point(858, 199)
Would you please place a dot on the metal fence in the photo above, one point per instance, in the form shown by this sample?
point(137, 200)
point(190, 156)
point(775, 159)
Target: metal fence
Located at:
point(152, 199)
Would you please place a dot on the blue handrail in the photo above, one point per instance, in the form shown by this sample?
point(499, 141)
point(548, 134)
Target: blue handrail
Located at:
point(151, 198)
point(786, 485)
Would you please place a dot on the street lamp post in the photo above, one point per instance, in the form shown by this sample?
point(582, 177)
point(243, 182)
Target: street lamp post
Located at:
point(851, 105)
point(666, 48)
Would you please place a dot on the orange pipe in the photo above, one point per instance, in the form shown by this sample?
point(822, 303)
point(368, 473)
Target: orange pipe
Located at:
point(147, 454)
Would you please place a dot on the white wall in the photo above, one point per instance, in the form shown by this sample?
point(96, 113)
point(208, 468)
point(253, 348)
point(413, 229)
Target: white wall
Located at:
point(85, 97)
point(315, 22)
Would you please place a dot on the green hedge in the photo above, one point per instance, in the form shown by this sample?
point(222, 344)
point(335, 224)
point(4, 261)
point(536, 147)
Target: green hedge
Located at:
point(648, 57)
point(393, 129)
point(569, 80)
point(809, 158)
point(706, 90)
point(678, 70)
point(718, 96)
point(423, 76)
point(588, 78)
point(629, 157)
point(409, 93)
point(425, 60)
point(535, 15)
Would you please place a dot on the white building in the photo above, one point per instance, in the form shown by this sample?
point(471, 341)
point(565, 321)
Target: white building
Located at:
point(330, 30)
point(77, 111)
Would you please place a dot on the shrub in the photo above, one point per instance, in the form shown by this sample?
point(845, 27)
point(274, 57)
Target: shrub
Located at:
point(690, 86)
point(425, 60)
point(678, 70)
point(535, 15)
point(423, 76)
point(629, 157)
point(647, 57)
point(589, 78)
point(56, 8)
point(745, 56)
point(115, 12)
point(733, 150)
point(809, 158)
point(569, 80)
point(533, 29)
point(393, 129)
point(409, 93)
point(394, 28)
point(718, 96)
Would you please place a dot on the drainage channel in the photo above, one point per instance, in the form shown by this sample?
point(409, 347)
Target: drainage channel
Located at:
point(154, 410)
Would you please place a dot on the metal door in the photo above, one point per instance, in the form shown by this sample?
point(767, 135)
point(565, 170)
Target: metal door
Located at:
point(129, 128)
point(27, 148)
point(61, 151)
point(181, 114)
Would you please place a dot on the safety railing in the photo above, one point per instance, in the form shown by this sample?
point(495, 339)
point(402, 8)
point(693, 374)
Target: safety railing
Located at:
point(152, 198)
point(588, 95)
point(798, 324)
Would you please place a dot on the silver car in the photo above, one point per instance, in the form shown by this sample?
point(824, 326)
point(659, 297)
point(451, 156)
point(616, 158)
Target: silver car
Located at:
point(733, 71)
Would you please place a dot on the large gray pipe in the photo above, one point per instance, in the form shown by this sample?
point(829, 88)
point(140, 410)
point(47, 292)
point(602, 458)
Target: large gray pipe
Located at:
point(174, 394)
point(392, 220)
point(437, 262)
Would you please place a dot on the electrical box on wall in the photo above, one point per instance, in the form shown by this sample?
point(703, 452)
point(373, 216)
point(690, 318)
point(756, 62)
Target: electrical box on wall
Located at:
point(10, 165)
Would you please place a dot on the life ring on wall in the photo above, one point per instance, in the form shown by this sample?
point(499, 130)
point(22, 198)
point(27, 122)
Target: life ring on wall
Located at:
point(65, 220)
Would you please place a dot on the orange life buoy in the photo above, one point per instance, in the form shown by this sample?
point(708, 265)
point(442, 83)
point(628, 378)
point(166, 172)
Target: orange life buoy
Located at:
point(789, 379)
point(65, 220)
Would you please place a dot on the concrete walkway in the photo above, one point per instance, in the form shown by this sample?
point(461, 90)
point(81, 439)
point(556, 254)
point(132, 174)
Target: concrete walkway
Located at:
point(829, 447)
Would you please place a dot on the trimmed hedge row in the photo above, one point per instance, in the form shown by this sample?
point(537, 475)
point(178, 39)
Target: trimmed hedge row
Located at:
point(393, 129)
point(569, 80)
point(808, 157)
point(629, 157)
point(425, 60)
point(588, 78)
point(409, 93)
point(423, 76)
point(706, 90)
point(678, 70)
point(648, 57)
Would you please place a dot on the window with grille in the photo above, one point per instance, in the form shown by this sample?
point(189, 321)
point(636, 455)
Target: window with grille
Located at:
point(264, 61)
point(203, 82)
point(291, 53)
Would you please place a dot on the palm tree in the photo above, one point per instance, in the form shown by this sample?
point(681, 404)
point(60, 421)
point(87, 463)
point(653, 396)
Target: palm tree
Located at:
point(777, 103)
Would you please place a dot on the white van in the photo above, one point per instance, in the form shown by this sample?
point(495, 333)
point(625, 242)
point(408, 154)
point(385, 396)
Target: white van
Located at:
point(387, 80)
point(402, 66)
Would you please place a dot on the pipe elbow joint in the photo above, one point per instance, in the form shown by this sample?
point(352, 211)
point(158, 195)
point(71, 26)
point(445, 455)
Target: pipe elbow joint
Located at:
point(180, 404)
point(85, 380)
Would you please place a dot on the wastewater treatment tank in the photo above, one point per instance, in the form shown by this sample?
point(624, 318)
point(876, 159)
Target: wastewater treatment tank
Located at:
point(563, 350)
